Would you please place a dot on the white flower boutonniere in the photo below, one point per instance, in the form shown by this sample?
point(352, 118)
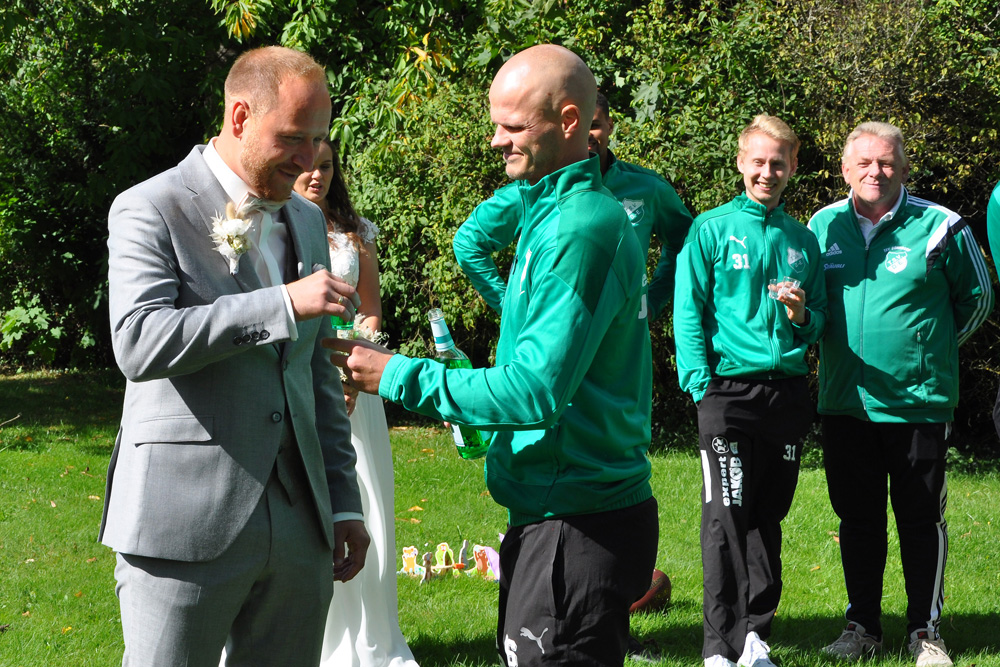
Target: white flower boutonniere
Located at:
point(232, 236)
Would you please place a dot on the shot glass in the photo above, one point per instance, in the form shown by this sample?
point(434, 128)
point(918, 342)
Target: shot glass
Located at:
point(776, 290)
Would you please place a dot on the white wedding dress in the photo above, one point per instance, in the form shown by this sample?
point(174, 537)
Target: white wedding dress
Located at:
point(362, 628)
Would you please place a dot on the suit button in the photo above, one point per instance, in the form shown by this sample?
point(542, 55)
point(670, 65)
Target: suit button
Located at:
point(254, 336)
point(237, 340)
point(246, 338)
point(276, 417)
point(265, 334)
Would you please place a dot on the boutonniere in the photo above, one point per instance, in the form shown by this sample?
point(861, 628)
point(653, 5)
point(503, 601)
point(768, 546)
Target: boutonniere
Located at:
point(232, 236)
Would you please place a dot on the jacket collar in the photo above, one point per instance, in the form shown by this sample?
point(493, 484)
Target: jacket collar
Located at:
point(744, 202)
point(210, 199)
point(901, 200)
point(573, 178)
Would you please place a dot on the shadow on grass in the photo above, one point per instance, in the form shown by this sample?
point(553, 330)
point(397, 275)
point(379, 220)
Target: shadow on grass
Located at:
point(964, 634)
point(432, 652)
point(82, 406)
point(798, 641)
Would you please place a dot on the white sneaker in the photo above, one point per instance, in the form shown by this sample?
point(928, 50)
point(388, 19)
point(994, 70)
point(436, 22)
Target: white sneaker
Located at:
point(755, 653)
point(854, 643)
point(929, 650)
point(719, 661)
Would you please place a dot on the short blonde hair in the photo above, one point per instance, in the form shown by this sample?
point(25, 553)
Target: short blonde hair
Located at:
point(773, 127)
point(884, 131)
point(256, 75)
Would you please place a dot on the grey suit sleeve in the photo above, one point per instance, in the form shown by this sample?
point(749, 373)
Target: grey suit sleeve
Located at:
point(165, 321)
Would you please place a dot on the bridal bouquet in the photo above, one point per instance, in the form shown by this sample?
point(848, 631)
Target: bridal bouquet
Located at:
point(359, 331)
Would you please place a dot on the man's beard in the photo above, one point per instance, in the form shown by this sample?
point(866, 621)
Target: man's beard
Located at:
point(257, 170)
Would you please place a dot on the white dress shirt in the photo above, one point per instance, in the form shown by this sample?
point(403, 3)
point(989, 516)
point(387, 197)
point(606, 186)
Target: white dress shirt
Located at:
point(269, 254)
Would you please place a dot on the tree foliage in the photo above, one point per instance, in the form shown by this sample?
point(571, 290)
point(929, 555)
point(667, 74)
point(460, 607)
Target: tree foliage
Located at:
point(98, 96)
point(94, 96)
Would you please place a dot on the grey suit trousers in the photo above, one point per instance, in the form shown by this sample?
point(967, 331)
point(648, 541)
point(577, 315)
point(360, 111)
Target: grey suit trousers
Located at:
point(265, 598)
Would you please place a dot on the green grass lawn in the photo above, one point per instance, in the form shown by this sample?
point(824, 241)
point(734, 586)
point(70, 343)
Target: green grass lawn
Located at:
point(57, 603)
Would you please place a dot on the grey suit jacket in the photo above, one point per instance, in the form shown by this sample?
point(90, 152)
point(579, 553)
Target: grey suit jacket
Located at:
point(202, 419)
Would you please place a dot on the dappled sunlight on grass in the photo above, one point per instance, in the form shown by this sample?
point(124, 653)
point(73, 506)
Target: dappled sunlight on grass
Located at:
point(57, 587)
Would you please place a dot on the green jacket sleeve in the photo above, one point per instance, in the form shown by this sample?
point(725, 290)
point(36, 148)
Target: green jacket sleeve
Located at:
point(493, 225)
point(671, 227)
point(815, 288)
point(694, 266)
point(969, 282)
point(993, 224)
point(567, 318)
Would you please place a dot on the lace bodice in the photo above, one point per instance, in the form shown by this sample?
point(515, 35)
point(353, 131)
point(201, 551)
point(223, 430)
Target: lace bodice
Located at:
point(344, 260)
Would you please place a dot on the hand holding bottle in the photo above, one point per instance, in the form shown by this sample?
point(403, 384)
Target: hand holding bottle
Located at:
point(470, 442)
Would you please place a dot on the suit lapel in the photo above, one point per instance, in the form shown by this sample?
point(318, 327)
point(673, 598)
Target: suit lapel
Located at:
point(298, 235)
point(297, 253)
point(210, 200)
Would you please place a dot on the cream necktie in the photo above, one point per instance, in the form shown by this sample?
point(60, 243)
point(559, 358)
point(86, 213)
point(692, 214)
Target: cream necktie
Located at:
point(264, 262)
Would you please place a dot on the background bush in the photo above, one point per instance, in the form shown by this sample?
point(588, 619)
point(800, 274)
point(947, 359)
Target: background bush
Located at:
point(96, 97)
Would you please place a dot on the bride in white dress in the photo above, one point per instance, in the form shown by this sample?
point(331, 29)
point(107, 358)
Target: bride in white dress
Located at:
point(362, 627)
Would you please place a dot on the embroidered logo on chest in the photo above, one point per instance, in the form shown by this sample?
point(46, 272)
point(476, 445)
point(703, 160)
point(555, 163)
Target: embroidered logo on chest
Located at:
point(895, 259)
point(633, 209)
point(796, 260)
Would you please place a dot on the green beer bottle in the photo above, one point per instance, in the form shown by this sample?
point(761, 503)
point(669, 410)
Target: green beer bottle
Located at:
point(470, 442)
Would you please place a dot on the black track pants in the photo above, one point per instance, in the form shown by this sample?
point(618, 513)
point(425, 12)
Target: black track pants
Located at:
point(566, 585)
point(860, 457)
point(750, 435)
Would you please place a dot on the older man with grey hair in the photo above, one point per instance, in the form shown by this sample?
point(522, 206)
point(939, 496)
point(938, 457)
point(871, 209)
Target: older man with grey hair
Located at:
point(906, 285)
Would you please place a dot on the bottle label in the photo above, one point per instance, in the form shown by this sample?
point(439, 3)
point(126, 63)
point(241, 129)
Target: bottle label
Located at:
point(442, 337)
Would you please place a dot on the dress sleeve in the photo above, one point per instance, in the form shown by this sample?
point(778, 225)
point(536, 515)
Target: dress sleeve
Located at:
point(367, 230)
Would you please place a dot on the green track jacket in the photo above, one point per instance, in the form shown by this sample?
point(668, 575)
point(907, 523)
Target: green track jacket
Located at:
point(899, 309)
point(652, 206)
point(570, 395)
point(724, 322)
point(993, 224)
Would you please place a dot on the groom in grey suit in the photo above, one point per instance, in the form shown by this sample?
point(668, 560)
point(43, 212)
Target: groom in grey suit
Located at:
point(231, 496)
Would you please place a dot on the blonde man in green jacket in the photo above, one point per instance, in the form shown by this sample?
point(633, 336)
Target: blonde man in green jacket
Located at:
point(749, 300)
